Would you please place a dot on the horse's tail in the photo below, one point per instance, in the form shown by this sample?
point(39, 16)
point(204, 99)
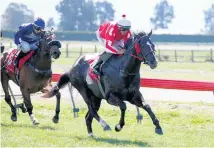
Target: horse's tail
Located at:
point(63, 81)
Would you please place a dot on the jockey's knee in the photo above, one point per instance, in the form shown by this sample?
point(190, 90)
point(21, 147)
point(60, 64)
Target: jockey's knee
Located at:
point(25, 47)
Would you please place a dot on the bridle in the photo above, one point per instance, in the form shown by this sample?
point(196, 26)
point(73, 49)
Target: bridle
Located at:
point(46, 36)
point(138, 51)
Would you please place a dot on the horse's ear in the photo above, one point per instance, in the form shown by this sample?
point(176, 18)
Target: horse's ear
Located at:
point(150, 33)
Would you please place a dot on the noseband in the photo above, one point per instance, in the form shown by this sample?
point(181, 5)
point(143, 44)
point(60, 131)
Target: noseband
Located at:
point(138, 51)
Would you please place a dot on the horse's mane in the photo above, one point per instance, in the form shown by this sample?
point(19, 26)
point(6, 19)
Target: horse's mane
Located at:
point(135, 35)
point(141, 33)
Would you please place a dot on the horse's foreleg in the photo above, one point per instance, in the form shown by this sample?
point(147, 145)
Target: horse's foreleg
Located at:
point(140, 102)
point(56, 117)
point(114, 100)
point(28, 105)
point(5, 85)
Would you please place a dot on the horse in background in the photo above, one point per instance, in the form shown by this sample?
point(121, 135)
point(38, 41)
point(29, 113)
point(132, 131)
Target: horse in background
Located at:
point(119, 81)
point(33, 74)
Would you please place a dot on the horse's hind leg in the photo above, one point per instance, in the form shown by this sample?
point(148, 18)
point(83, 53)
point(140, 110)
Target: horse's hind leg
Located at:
point(5, 85)
point(56, 117)
point(86, 94)
point(88, 117)
point(140, 102)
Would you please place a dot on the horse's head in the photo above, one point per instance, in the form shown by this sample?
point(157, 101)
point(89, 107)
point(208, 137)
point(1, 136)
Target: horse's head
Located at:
point(49, 46)
point(145, 49)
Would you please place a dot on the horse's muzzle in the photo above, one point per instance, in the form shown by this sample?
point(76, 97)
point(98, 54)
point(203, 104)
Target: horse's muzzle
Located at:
point(153, 64)
point(56, 55)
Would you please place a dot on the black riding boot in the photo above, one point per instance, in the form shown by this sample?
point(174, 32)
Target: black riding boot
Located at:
point(103, 58)
point(20, 55)
point(97, 66)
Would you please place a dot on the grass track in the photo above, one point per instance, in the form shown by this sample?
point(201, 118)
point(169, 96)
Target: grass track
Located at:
point(183, 125)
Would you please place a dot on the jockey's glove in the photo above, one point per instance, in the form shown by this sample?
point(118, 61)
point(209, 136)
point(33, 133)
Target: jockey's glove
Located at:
point(33, 46)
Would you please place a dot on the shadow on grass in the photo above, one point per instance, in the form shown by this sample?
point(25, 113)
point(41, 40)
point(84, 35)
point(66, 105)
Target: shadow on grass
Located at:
point(28, 126)
point(117, 142)
point(122, 142)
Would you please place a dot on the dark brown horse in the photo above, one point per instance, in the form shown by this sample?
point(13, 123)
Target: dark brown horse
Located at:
point(33, 76)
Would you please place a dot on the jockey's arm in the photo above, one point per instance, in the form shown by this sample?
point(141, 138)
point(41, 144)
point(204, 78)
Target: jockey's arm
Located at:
point(110, 48)
point(128, 36)
point(19, 34)
point(109, 43)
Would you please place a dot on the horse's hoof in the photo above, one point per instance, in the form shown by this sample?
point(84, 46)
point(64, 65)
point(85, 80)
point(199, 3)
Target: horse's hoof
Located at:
point(35, 122)
point(91, 135)
point(14, 118)
point(24, 110)
point(55, 120)
point(118, 128)
point(107, 128)
point(159, 131)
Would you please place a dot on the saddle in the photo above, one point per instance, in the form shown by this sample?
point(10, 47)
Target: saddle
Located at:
point(91, 64)
point(12, 54)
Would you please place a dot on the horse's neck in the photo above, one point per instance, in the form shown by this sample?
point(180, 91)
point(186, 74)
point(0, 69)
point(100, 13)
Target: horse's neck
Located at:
point(130, 63)
point(127, 63)
point(42, 61)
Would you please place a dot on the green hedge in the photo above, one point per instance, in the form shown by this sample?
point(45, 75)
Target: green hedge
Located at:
point(90, 36)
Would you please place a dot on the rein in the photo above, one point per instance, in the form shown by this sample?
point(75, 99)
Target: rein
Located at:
point(134, 56)
point(131, 46)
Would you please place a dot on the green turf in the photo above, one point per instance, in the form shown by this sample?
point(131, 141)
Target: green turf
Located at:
point(182, 126)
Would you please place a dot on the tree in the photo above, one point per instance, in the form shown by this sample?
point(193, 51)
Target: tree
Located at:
point(15, 15)
point(87, 20)
point(83, 15)
point(104, 11)
point(164, 13)
point(50, 23)
point(209, 19)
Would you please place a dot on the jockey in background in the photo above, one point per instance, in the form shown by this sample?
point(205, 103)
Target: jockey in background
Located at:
point(112, 35)
point(27, 38)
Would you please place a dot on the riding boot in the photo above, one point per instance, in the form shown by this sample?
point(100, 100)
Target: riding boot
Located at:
point(20, 55)
point(103, 59)
point(97, 66)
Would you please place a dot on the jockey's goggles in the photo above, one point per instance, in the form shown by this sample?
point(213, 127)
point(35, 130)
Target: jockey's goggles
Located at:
point(125, 28)
point(38, 28)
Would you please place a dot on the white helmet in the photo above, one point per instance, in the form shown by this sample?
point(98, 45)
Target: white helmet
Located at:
point(124, 23)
